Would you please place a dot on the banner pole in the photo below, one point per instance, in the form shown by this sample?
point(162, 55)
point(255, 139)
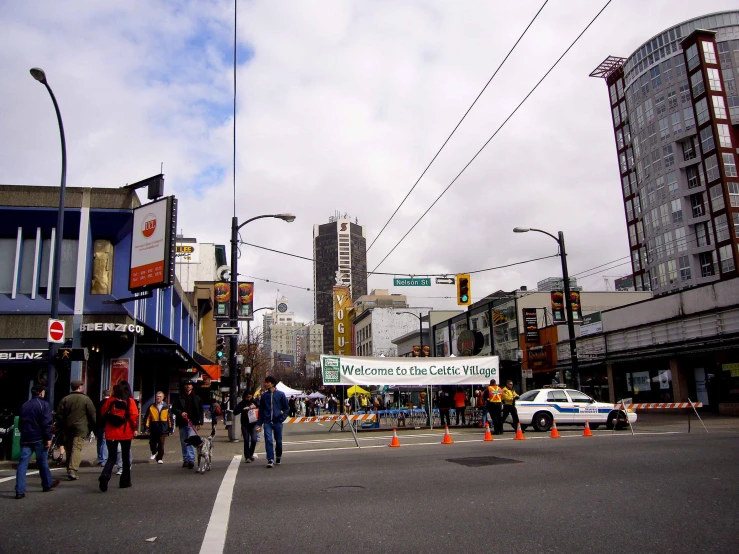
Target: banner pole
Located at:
point(697, 415)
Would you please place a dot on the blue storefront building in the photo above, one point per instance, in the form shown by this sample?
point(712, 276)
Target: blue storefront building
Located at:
point(148, 341)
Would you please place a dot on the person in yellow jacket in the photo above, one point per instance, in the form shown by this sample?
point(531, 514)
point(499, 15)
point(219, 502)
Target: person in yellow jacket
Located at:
point(494, 401)
point(509, 404)
point(159, 422)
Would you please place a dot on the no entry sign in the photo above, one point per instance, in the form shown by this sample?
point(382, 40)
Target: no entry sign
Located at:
point(55, 331)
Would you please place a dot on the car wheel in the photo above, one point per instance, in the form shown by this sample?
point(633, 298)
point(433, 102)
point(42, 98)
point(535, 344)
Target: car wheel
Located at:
point(542, 421)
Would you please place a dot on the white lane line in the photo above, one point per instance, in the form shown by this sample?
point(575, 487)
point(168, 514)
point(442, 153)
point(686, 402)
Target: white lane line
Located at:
point(215, 535)
point(4, 479)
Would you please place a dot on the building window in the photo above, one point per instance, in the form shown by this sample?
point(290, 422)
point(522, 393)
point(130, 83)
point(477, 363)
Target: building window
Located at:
point(719, 108)
point(734, 195)
point(696, 83)
point(629, 211)
point(688, 150)
point(627, 133)
point(706, 262)
point(612, 90)
point(640, 116)
point(672, 185)
point(701, 235)
point(729, 164)
point(656, 78)
point(637, 206)
point(679, 67)
point(672, 99)
point(664, 128)
point(662, 275)
point(677, 211)
point(717, 197)
point(677, 124)
point(632, 235)
point(684, 268)
point(680, 241)
point(649, 110)
point(664, 214)
point(640, 231)
point(692, 175)
point(672, 271)
point(707, 143)
point(722, 228)
point(625, 185)
point(708, 53)
point(659, 104)
point(620, 139)
point(701, 110)
point(685, 93)
point(659, 183)
point(669, 245)
point(736, 224)
point(724, 135)
point(692, 56)
point(658, 250)
point(655, 218)
point(616, 117)
point(712, 172)
point(727, 258)
point(635, 260)
point(622, 161)
point(714, 79)
point(669, 158)
point(696, 203)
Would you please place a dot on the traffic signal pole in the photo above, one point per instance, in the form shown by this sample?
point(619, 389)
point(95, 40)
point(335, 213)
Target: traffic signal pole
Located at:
point(234, 322)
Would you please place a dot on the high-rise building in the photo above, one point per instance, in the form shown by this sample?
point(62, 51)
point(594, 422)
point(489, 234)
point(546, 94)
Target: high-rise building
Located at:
point(556, 283)
point(673, 103)
point(340, 254)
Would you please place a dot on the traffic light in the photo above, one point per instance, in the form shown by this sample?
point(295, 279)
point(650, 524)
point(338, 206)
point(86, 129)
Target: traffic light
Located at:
point(220, 347)
point(425, 351)
point(416, 350)
point(464, 292)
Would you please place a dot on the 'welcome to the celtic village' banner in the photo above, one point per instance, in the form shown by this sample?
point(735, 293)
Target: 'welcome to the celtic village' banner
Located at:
point(354, 370)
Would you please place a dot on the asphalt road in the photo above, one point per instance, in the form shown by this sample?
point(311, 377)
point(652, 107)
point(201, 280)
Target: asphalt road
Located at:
point(662, 490)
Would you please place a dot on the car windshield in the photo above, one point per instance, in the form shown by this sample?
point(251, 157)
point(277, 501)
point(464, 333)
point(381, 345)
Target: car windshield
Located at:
point(578, 396)
point(531, 395)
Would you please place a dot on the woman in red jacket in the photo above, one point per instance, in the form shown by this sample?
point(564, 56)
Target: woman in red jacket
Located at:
point(121, 416)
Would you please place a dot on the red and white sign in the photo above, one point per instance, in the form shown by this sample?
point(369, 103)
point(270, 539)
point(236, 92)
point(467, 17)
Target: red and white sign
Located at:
point(150, 245)
point(55, 331)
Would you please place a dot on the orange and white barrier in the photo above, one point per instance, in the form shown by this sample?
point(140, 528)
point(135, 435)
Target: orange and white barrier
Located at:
point(330, 418)
point(660, 406)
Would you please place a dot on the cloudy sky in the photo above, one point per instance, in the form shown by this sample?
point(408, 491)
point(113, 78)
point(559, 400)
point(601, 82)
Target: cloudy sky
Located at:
point(340, 107)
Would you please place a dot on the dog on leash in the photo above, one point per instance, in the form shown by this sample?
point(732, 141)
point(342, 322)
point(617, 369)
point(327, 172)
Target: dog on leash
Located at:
point(205, 455)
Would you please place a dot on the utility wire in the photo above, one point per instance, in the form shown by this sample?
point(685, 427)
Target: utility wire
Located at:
point(457, 126)
point(493, 135)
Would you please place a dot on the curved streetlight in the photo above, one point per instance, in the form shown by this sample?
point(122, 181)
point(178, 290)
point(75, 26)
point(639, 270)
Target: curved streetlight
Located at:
point(234, 304)
point(560, 238)
point(38, 74)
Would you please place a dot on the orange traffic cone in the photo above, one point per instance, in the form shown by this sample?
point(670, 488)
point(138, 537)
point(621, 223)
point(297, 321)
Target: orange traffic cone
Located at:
point(587, 432)
point(488, 434)
point(519, 434)
point(395, 442)
point(554, 434)
point(447, 437)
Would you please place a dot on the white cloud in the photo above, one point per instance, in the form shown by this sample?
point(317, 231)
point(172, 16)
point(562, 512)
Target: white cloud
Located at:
point(340, 108)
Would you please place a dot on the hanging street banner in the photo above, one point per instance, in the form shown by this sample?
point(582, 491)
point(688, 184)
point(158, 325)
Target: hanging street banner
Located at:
point(342, 326)
point(356, 370)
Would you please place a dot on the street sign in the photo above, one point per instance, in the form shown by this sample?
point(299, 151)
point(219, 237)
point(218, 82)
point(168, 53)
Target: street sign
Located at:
point(227, 330)
point(412, 282)
point(55, 331)
point(445, 280)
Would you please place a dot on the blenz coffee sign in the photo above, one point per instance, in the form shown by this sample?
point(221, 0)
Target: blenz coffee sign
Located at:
point(22, 355)
point(112, 327)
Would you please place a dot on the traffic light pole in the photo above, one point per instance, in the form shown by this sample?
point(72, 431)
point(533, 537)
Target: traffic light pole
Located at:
point(234, 322)
point(568, 305)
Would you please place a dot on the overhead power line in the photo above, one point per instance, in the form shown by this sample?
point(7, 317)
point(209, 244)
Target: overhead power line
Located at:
point(493, 135)
point(457, 126)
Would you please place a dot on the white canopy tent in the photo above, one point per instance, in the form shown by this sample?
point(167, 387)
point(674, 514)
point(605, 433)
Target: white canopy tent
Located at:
point(288, 391)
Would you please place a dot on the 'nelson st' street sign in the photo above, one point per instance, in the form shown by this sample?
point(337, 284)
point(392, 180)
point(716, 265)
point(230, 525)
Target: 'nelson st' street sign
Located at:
point(412, 282)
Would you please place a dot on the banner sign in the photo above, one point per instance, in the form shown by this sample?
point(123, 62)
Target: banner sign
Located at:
point(119, 369)
point(246, 301)
point(153, 245)
point(575, 305)
point(221, 299)
point(531, 325)
point(342, 327)
point(354, 370)
point(558, 305)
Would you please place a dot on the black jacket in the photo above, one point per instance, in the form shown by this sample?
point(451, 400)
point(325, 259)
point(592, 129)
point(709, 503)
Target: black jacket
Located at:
point(241, 409)
point(35, 421)
point(194, 413)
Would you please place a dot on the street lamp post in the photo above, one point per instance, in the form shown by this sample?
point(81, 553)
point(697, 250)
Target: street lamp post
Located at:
point(234, 305)
point(40, 76)
point(560, 238)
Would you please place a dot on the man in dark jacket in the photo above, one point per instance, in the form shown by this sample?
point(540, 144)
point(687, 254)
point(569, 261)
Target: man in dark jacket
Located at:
point(188, 411)
point(76, 416)
point(273, 409)
point(35, 427)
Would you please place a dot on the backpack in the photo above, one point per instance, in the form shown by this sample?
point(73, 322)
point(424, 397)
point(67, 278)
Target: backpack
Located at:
point(117, 414)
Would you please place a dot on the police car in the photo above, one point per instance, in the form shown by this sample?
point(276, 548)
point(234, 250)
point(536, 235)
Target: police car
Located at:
point(541, 407)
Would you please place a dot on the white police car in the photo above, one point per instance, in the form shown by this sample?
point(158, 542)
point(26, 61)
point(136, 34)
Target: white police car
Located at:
point(541, 407)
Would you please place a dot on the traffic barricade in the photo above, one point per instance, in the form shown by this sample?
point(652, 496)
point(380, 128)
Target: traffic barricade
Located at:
point(689, 405)
point(352, 420)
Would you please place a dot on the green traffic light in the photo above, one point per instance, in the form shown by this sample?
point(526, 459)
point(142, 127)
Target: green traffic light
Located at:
point(464, 298)
point(220, 354)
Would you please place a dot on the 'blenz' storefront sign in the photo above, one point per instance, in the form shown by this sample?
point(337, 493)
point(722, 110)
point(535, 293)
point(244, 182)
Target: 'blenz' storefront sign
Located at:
point(112, 327)
point(22, 355)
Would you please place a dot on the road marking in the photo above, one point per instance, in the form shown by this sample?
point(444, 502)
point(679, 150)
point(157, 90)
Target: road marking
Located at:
point(4, 479)
point(215, 535)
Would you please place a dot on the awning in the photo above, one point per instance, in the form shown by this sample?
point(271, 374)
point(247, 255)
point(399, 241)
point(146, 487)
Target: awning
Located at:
point(213, 371)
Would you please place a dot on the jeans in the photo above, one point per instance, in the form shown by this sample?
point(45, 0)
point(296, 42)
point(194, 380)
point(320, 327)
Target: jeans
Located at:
point(27, 450)
point(102, 447)
point(125, 454)
point(188, 452)
point(269, 440)
point(460, 412)
point(509, 409)
point(250, 440)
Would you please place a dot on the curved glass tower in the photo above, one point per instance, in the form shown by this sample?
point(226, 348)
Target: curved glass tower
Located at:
point(675, 108)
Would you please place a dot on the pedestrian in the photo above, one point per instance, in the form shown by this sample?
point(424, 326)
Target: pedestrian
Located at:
point(272, 412)
point(215, 411)
point(509, 404)
point(34, 425)
point(249, 410)
point(188, 411)
point(102, 449)
point(121, 417)
point(494, 397)
point(158, 421)
point(364, 403)
point(291, 406)
point(332, 404)
point(460, 404)
point(445, 404)
point(76, 417)
point(376, 405)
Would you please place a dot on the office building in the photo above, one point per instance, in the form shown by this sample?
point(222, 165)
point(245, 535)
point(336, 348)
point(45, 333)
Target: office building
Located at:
point(673, 103)
point(340, 254)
